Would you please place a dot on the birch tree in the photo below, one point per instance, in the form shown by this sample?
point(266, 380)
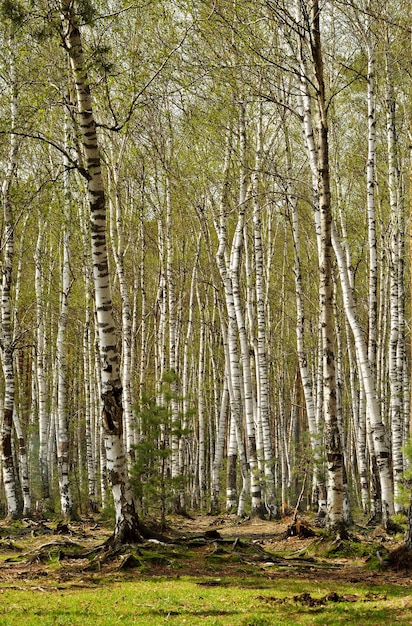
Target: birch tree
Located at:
point(332, 437)
point(127, 523)
point(262, 383)
point(7, 344)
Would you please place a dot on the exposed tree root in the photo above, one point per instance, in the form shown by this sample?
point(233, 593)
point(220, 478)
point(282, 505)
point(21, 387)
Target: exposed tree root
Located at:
point(300, 530)
point(400, 559)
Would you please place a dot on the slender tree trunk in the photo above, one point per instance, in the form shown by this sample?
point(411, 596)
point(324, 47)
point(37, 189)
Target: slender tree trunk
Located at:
point(262, 378)
point(231, 346)
point(370, 181)
point(7, 344)
point(183, 440)
point(25, 474)
point(201, 407)
point(117, 237)
point(305, 107)
point(62, 430)
point(332, 437)
point(127, 524)
point(379, 446)
point(90, 371)
point(173, 351)
point(395, 339)
point(43, 417)
point(302, 355)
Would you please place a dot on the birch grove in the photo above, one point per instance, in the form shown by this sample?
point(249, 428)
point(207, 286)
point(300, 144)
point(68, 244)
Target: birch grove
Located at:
point(204, 298)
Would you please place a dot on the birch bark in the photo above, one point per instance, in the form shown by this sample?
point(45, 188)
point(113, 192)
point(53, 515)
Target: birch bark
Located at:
point(43, 417)
point(201, 407)
point(395, 339)
point(127, 523)
point(118, 249)
point(370, 182)
point(380, 446)
point(263, 412)
point(232, 287)
point(21, 439)
point(62, 431)
point(332, 437)
point(7, 344)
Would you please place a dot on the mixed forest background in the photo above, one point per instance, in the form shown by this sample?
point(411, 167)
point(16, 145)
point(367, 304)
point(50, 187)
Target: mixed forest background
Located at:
point(256, 168)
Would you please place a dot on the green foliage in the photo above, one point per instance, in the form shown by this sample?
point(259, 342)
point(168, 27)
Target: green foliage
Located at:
point(87, 11)
point(406, 487)
point(152, 482)
point(14, 11)
point(101, 58)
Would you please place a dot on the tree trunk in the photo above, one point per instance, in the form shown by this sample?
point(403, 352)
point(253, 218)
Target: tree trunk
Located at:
point(62, 430)
point(117, 237)
point(127, 523)
point(395, 338)
point(7, 344)
point(334, 453)
point(262, 378)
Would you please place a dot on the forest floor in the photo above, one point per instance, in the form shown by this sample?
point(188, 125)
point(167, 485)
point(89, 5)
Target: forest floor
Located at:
point(204, 553)
point(199, 546)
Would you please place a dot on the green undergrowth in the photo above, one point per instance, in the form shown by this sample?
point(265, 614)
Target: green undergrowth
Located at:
point(203, 600)
point(54, 579)
point(353, 548)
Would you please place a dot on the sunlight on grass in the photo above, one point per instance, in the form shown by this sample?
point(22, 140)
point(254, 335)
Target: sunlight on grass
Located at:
point(208, 602)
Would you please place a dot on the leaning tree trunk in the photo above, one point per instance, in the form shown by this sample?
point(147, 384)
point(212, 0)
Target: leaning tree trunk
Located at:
point(127, 523)
point(380, 446)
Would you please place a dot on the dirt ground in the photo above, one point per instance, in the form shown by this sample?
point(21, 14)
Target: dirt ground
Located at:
point(40, 552)
point(294, 554)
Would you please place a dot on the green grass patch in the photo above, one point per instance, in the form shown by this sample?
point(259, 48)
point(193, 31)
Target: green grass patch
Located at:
point(206, 601)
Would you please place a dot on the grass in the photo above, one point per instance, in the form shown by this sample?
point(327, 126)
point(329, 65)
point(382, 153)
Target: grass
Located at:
point(206, 601)
point(220, 584)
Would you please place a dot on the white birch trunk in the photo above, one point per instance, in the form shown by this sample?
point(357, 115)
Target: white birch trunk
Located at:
point(302, 355)
point(43, 417)
point(332, 437)
point(370, 181)
point(183, 440)
point(7, 346)
point(89, 413)
point(173, 361)
point(127, 526)
point(62, 430)
point(232, 288)
point(201, 408)
point(143, 313)
point(117, 237)
point(161, 305)
point(231, 354)
point(263, 412)
point(378, 431)
point(219, 449)
point(90, 372)
point(21, 439)
point(395, 339)
point(305, 107)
